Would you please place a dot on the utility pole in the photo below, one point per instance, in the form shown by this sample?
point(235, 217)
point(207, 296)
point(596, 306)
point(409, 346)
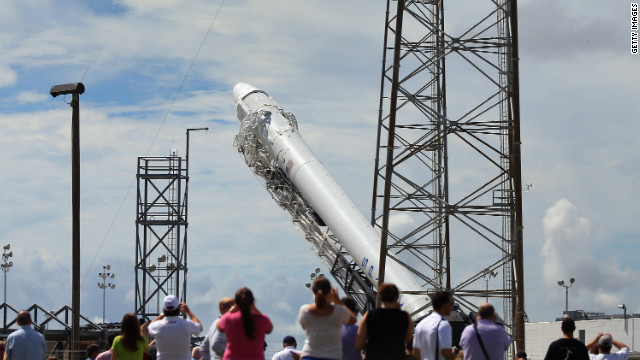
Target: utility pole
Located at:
point(75, 90)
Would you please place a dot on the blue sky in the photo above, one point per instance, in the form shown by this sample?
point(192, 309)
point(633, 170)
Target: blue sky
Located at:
point(321, 61)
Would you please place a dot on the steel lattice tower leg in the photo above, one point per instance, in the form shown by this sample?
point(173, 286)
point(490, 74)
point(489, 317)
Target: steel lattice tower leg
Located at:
point(161, 233)
point(447, 183)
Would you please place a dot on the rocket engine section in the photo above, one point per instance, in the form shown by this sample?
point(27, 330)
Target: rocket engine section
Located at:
point(274, 134)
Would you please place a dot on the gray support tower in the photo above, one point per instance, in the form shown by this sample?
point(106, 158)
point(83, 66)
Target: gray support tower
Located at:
point(161, 232)
point(447, 184)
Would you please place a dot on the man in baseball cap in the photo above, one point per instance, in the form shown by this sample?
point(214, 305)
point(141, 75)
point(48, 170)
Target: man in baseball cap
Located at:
point(604, 342)
point(173, 333)
point(289, 352)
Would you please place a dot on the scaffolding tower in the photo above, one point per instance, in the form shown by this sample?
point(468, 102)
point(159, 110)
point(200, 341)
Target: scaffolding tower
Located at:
point(447, 183)
point(161, 232)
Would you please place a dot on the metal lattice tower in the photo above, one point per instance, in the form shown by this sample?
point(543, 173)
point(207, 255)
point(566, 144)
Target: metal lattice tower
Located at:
point(447, 191)
point(161, 232)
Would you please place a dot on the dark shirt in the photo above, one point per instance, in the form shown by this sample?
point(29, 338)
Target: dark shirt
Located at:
point(567, 349)
point(386, 331)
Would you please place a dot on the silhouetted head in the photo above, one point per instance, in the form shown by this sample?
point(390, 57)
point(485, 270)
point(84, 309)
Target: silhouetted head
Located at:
point(244, 301)
point(388, 292)
point(24, 318)
point(321, 288)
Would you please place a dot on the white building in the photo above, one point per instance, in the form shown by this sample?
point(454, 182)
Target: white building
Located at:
point(538, 336)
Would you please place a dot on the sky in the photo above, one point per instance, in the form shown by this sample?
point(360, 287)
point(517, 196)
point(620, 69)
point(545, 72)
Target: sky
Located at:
point(153, 68)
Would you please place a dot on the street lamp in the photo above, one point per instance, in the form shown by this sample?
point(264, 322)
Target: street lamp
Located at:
point(74, 90)
point(6, 265)
point(105, 275)
point(624, 307)
point(566, 291)
point(488, 274)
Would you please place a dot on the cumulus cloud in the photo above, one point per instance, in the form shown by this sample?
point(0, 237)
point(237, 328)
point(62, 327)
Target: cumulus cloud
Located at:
point(8, 76)
point(571, 249)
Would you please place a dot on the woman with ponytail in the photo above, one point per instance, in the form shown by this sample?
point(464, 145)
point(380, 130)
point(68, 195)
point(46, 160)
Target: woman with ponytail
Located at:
point(245, 328)
point(322, 321)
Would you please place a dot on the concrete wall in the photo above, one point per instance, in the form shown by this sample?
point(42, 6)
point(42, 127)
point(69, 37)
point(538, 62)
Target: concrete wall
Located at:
point(538, 336)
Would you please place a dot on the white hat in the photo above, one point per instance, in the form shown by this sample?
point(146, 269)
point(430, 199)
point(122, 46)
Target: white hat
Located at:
point(170, 302)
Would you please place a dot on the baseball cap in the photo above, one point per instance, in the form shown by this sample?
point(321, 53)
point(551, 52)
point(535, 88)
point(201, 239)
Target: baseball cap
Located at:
point(605, 341)
point(170, 302)
point(289, 340)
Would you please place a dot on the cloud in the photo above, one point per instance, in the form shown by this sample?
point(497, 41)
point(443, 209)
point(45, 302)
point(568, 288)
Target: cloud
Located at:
point(572, 250)
point(8, 76)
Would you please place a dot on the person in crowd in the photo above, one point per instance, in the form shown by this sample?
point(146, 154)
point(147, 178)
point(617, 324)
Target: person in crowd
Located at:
point(196, 354)
point(289, 351)
point(322, 322)
point(349, 332)
point(25, 343)
point(604, 342)
point(521, 355)
point(130, 344)
point(567, 347)
point(485, 340)
point(215, 342)
point(433, 333)
point(245, 328)
point(3, 346)
point(408, 350)
point(92, 351)
point(384, 331)
point(172, 333)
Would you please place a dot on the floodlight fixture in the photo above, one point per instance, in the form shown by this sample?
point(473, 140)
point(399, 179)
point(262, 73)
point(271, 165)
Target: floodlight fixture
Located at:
point(6, 265)
point(104, 286)
point(566, 291)
point(65, 89)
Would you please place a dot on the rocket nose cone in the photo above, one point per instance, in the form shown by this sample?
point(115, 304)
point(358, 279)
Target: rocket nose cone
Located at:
point(241, 90)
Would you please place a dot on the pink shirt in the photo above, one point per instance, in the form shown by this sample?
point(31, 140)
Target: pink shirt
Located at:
point(239, 346)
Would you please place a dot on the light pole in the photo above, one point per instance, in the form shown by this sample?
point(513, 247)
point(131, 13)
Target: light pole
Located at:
point(105, 275)
point(488, 274)
point(161, 259)
point(74, 90)
point(566, 291)
point(624, 307)
point(6, 265)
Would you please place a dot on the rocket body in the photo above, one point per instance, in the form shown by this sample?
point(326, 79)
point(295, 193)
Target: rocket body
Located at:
point(326, 197)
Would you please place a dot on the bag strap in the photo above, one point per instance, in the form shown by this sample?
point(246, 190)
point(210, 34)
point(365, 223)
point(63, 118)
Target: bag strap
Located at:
point(438, 340)
point(475, 327)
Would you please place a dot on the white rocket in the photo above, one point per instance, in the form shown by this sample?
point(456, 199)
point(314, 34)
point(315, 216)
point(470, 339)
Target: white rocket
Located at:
point(283, 142)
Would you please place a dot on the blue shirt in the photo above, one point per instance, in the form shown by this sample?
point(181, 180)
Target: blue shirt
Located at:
point(494, 338)
point(25, 344)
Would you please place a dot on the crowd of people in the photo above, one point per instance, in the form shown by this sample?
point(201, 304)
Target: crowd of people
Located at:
point(329, 323)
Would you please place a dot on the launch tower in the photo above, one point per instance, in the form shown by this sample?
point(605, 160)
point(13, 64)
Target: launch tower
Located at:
point(447, 183)
point(161, 232)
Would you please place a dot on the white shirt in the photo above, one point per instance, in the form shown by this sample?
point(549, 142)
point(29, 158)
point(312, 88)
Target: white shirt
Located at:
point(425, 336)
point(622, 354)
point(173, 337)
point(285, 354)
